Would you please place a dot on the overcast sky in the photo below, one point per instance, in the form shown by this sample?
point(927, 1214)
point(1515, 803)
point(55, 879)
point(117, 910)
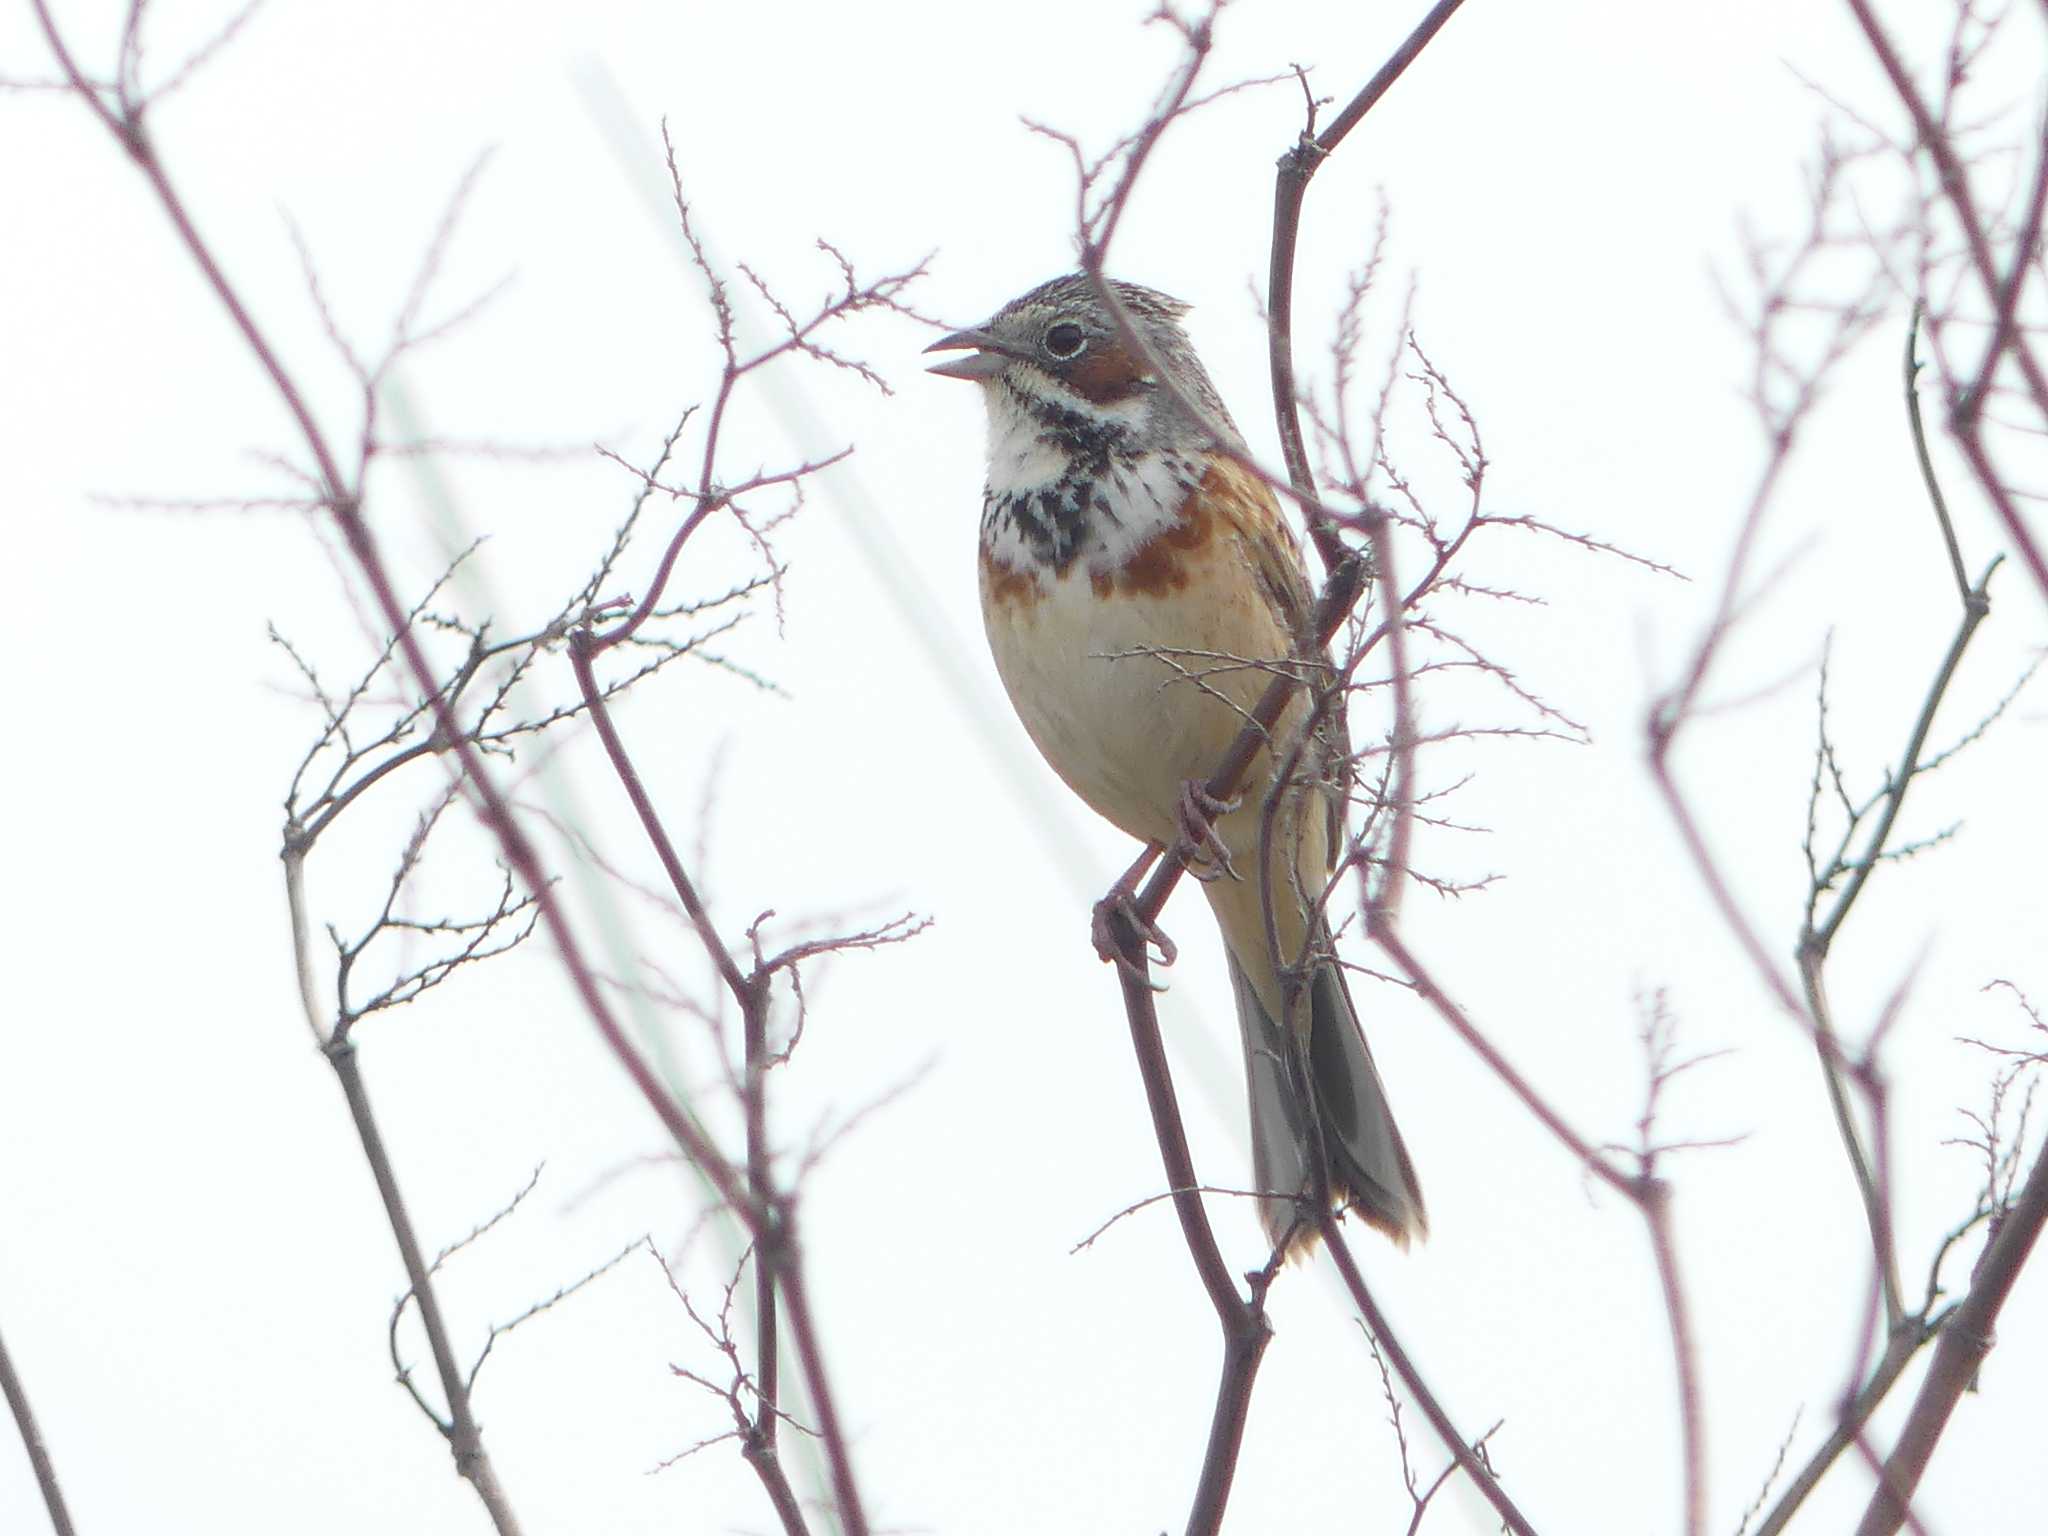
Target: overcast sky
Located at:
point(195, 1277)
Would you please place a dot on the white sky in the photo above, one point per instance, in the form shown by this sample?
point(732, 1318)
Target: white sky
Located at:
point(194, 1273)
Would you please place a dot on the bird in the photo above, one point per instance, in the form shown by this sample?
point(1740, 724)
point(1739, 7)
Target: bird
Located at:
point(1140, 587)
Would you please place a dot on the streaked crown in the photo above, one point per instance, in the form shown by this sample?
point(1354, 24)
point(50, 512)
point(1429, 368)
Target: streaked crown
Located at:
point(1056, 351)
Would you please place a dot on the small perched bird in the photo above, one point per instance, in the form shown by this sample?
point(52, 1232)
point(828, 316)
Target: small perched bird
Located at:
point(1140, 590)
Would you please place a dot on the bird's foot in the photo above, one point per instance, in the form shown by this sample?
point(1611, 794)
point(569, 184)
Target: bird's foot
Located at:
point(1196, 813)
point(1116, 917)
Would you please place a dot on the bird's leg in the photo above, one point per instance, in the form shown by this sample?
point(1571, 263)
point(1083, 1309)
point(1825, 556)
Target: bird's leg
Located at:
point(1120, 907)
point(1197, 812)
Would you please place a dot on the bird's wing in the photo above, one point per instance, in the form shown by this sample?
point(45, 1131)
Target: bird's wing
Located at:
point(1248, 504)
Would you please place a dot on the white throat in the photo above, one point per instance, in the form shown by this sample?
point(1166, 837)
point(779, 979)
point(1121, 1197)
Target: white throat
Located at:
point(1036, 481)
point(1019, 458)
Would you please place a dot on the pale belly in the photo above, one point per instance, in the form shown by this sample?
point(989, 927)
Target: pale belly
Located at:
point(1130, 696)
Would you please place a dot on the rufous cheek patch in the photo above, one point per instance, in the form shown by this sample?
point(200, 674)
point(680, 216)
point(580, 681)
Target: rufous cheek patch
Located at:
point(1107, 374)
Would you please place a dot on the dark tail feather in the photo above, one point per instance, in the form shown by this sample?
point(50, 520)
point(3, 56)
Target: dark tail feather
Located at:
point(1369, 1167)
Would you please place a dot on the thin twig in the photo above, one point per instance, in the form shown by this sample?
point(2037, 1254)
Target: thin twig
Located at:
point(1241, 1319)
point(2001, 288)
point(465, 1438)
point(1290, 188)
point(31, 1434)
point(1468, 1457)
point(1965, 1341)
point(1819, 930)
point(119, 110)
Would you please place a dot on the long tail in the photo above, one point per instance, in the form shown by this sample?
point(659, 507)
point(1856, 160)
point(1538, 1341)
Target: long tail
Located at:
point(1369, 1167)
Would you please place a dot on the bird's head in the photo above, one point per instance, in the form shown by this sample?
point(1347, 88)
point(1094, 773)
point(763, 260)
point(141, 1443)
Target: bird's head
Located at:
point(1056, 355)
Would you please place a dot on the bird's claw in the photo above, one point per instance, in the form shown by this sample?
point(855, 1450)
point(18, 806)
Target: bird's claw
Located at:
point(1117, 916)
point(1202, 851)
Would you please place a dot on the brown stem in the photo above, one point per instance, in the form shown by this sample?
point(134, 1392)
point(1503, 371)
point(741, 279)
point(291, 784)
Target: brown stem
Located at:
point(465, 1439)
point(1899, 1352)
point(1390, 1346)
point(1655, 1205)
point(767, 1464)
point(1200, 37)
point(1818, 936)
point(1926, 460)
point(1955, 186)
point(2006, 295)
point(766, 1216)
point(1670, 714)
point(1290, 188)
point(1966, 1339)
point(771, 1257)
point(1384, 898)
point(1648, 1194)
point(1397, 63)
point(32, 1440)
point(1976, 607)
point(767, 1260)
point(1243, 1321)
point(1418, 976)
point(803, 1330)
point(1173, 1143)
point(493, 809)
point(583, 647)
point(1876, 1209)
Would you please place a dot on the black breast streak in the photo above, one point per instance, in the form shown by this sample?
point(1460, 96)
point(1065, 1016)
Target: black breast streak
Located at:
point(1058, 522)
point(1053, 522)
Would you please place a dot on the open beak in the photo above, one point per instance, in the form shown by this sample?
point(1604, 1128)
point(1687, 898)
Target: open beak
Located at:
point(986, 357)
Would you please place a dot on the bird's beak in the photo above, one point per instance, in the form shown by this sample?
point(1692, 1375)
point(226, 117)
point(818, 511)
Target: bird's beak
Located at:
point(986, 357)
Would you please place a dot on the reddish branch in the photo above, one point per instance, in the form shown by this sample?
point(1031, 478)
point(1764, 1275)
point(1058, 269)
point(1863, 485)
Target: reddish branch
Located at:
point(2001, 288)
point(1966, 1333)
point(1290, 188)
point(1838, 881)
point(1382, 903)
point(1468, 1454)
point(1965, 1340)
point(31, 1434)
point(120, 106)
point(1648, 1194)
point(1246, 1330)
point(464, 1435)
point(1242, 1317)
point(769, 1220)
point(768, 1213)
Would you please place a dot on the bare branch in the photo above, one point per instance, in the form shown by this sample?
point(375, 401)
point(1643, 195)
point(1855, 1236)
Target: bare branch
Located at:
point(16, 1394)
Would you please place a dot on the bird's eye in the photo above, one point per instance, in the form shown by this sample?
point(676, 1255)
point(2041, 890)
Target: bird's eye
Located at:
point(1065, 340)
